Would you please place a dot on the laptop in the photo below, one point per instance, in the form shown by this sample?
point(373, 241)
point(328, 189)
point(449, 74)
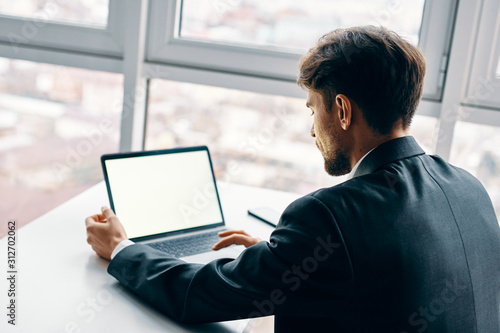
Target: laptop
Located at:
point(168, 199)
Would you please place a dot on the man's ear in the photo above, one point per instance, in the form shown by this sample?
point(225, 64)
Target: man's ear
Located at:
point(344, 110)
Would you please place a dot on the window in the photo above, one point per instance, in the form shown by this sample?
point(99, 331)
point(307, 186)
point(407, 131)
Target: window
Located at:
point(475, 148)
point(93, 12)
point(484, 85)
point(255, 139)
point(55, 122)
point(237, 61)
point(264, 136)
point(266, 38)
point(292, 24)
point(88, 27)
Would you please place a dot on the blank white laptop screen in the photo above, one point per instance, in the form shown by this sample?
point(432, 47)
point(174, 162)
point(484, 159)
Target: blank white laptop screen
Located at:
point(162, 193)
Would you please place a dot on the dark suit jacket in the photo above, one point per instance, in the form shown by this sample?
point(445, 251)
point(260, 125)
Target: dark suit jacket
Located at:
point(410, 244)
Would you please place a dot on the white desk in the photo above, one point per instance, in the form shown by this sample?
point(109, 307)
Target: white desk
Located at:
point(63, 285)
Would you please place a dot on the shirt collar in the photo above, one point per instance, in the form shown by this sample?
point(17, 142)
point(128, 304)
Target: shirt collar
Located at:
point(388, 152)
point(350, 175)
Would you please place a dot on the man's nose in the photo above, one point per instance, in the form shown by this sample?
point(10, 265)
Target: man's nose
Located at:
point(312, 131)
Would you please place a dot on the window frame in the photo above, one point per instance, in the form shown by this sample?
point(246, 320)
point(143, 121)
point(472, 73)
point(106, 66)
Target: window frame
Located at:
point(479, 116)
point(99, 48)
point(483, 89)
point(435, 36)
point(165, 47)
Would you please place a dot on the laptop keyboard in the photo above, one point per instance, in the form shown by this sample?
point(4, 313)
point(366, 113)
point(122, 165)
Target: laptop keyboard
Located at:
point(189, 245)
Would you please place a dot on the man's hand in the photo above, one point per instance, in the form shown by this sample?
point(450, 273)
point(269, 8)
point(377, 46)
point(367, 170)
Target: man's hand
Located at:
point(104, 232)
point(238, 237)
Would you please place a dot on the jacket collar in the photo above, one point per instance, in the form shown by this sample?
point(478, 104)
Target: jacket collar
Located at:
point(388, 152)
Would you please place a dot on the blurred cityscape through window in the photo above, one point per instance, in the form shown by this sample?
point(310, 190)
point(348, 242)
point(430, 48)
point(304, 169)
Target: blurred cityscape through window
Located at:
point(475, 149)
point(55, 122)
point(87, 12)
point(293, 24)
point(255, 139)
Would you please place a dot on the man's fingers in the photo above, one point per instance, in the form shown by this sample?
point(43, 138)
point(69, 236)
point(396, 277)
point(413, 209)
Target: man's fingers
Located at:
point(89, 220)
point(104, 232)
point(96, 218)
point(108, 213)
point(228, 241)
point(236, 239)
point(93, 226)
point(231, 232)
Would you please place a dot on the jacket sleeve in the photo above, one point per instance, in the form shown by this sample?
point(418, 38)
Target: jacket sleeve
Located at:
point(303, 270)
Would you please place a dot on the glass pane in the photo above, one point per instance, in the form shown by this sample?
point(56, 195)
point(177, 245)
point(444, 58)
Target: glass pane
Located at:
point(264, 136)
point(55, 122)
point(293, 24)
point(498, 69)
point(425, 130)
point(92, 12)
point(247, 133)
point(475, 148)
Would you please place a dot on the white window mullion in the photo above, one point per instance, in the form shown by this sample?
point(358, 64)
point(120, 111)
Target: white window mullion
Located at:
point(134, 83)
point(460, 58)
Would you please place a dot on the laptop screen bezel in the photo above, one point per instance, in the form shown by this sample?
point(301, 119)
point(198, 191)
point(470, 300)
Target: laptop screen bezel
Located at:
point(107, 157)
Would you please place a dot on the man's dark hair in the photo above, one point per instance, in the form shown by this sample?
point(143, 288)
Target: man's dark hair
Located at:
point(375, 67)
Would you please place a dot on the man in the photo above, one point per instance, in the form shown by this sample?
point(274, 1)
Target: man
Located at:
point(408, 244)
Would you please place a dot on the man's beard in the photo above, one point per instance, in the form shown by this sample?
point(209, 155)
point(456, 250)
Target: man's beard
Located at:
point(337, 163)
